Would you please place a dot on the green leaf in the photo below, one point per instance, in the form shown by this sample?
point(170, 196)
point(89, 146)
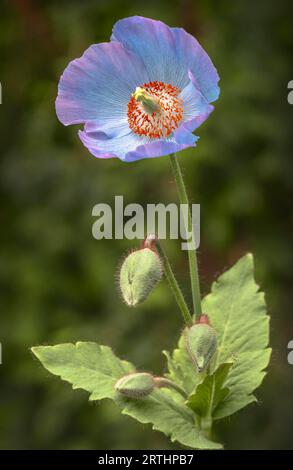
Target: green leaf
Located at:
point(96, 369)
point(170, 417)
point(210, 392)
point(245, 376)
point(237, 310)
point(88, 366)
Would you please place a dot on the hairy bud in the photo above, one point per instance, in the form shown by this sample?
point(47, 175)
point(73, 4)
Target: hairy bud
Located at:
point(201, 343)
point(138, 385)
point(139, 274)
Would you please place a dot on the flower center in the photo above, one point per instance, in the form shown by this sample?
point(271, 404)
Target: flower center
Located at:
point(155, 110)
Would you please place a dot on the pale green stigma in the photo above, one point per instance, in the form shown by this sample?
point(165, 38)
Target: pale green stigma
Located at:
point(149, 103)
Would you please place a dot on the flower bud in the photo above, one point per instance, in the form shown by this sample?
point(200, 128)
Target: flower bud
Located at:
point(201, 343)
point(137, 385)
point(139, 274)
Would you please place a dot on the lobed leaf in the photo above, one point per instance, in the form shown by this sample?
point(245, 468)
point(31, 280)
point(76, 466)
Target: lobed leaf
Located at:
point(237, 311)
point(96, 369)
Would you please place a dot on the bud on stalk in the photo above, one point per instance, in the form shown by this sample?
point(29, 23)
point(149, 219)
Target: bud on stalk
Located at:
point(137, 385)
point(201, 343)
point(140, 384)
point(139, 274)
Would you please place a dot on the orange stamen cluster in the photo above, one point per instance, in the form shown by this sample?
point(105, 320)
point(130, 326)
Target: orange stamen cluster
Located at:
point(159, 123)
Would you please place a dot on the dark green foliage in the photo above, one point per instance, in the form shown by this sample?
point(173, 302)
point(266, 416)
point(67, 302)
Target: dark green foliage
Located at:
point(57, 282)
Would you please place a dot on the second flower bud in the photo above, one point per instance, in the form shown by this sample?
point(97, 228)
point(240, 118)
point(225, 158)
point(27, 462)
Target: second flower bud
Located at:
point(139, 274)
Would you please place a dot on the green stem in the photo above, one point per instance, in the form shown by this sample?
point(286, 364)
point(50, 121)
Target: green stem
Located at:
point(192, 258)
point(206, 422)
point(174, 285)
point(206, 426)
point(162, 382)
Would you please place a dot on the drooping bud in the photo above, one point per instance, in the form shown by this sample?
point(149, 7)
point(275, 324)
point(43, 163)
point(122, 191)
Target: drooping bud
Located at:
point(139, 274)
point(201, 343)
point(137, 385)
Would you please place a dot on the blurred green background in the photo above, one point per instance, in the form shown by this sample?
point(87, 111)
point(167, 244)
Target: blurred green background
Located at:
point(58, 283)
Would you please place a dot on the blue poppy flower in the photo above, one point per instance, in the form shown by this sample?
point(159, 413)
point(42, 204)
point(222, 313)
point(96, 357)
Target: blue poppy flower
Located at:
point(140, 95)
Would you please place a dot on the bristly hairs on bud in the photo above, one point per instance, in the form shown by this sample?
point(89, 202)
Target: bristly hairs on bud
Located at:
point(140, 272)
point(141, 384)
point(137, 385)
point(201, 342)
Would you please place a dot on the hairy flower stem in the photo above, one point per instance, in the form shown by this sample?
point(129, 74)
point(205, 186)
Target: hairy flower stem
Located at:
point(206, 426)
point(192, 258)
point(174, 285)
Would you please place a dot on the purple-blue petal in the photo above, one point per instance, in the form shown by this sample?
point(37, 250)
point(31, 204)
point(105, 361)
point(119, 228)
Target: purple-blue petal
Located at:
point(196, 110)
point(97, 86)
point(168, 54)
point(158, 148)
point(131, 147)
point(101, 144)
